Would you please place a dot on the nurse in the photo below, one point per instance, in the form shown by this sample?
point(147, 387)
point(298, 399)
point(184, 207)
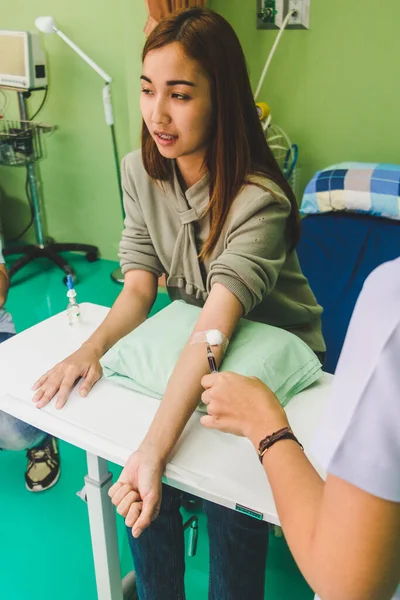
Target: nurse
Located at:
point(344, 533)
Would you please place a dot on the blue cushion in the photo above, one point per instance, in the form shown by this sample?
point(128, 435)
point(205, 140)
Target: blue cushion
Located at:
point(337, 252)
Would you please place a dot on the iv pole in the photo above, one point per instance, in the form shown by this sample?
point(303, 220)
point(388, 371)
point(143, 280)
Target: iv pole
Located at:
point(48, 25)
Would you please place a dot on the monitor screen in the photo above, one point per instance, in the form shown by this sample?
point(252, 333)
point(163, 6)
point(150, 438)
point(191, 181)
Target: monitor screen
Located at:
point(12, 55)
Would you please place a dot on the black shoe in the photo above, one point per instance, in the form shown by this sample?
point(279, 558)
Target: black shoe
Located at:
point(43, 468)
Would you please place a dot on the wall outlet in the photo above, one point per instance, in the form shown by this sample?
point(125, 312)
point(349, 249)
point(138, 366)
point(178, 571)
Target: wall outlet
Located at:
point(300, 20)
point(270, 13)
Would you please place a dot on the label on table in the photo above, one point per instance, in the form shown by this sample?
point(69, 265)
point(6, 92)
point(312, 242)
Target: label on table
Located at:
point(249, 512)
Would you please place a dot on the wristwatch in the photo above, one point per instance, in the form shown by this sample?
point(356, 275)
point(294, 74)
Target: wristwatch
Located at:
point(282, 434)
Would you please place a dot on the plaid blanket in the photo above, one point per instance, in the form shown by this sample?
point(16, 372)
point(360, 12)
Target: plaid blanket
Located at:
point(372, 188)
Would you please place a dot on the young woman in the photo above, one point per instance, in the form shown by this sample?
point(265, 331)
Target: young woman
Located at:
point(207, 205)
point(344, 534)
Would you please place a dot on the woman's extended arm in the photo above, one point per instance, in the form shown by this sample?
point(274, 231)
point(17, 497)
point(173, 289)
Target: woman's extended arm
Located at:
point(140, 481)
point(129, 310)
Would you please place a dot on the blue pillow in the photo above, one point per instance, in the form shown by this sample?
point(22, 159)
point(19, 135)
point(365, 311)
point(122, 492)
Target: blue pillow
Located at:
point(369, 188)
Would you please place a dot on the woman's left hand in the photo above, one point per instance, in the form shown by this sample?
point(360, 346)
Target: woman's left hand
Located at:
point(241, 405)
point(137, 493)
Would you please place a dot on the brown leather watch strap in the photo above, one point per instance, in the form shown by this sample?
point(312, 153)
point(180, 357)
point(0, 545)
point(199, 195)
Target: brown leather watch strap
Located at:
point(282, 434)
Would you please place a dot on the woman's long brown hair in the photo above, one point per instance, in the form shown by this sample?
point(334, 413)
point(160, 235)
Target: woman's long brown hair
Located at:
point(237, 147)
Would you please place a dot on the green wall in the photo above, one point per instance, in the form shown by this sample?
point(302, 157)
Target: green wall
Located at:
point(335, 89)
point(79, 183)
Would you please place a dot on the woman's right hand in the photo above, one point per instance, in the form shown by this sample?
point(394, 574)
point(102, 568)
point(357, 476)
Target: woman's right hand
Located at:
point(61, 379)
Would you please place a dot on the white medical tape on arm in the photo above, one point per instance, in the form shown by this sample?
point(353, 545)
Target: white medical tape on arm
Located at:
point(213, 337)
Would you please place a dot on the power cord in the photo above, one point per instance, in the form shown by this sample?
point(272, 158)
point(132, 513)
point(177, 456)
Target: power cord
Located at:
point(41, 105)
point(271, 54)
point(32, 214)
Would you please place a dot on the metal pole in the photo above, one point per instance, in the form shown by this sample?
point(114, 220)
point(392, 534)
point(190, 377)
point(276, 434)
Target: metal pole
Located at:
point(103, 529)
point(104, 537)
point(117, 168)
point(32, 181)
point(117, 275)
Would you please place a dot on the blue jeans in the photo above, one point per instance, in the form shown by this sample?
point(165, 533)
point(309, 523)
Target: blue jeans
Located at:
point(15, 434)
point(238, 553)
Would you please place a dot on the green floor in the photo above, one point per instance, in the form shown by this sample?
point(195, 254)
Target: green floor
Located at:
point(45, 551)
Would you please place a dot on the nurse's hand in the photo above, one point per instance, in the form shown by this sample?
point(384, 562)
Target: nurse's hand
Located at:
point(61, 379)
point(241, 405)
point(137, 493)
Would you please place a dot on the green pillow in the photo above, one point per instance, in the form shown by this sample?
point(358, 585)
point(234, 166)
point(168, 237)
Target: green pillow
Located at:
point(144, 359)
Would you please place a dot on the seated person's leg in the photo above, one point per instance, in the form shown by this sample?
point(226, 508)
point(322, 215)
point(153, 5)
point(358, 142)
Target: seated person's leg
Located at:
point(43, 468)
point(4, 335)
point(159, 553)
point(17, 435)
point(238, 554)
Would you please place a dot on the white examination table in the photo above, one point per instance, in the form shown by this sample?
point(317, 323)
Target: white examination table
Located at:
point(110, 423)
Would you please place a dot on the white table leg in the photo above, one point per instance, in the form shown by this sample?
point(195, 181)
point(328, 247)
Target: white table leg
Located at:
point(103, 529)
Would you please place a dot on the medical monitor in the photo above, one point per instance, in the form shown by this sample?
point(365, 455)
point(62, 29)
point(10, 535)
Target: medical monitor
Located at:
point(22, 60)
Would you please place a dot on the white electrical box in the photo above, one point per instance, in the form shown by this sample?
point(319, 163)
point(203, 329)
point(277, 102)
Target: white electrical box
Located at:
point(301, 18)
point(272, 13)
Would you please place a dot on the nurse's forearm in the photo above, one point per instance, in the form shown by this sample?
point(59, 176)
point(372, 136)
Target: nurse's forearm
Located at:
point(297, 489)
point(344, 539)
point(181, 398)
